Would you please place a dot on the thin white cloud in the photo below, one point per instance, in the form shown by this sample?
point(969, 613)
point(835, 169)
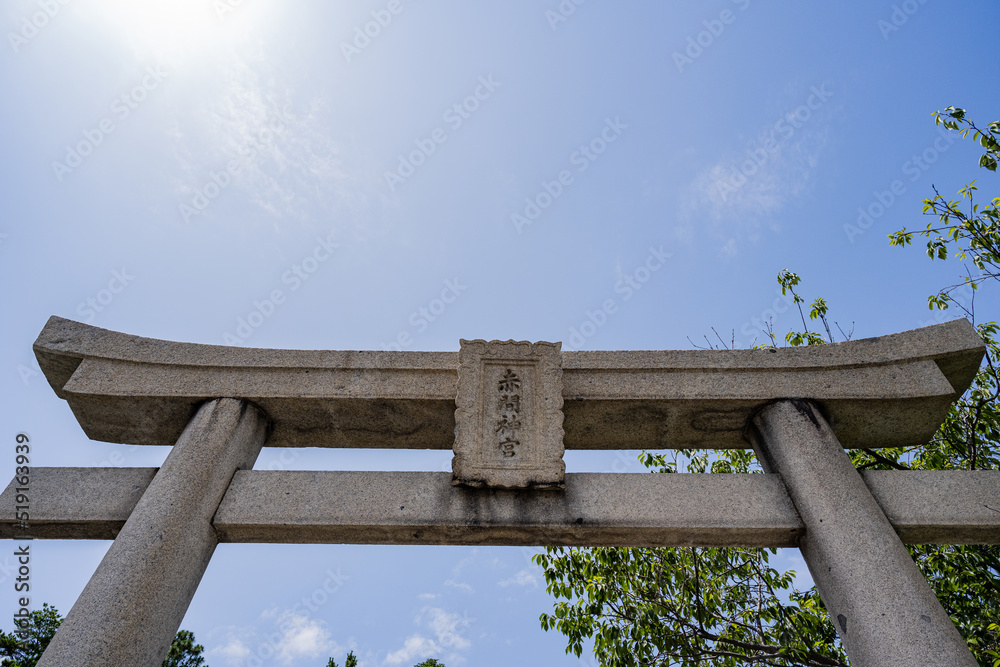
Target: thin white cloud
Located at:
point(729, 250)
point(282, 154)
point(523, 578)
point(743, 190)
point(286, 637)
point(302, 638)
point(460, 585)
point(416, 647)
point(233, 652)
point(446, 628)
point(468, 560)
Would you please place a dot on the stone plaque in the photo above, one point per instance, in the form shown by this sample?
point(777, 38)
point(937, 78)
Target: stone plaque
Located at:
point(508, 417)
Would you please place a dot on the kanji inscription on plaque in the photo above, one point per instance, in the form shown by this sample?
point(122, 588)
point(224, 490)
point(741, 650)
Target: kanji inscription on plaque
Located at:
point(508, 417)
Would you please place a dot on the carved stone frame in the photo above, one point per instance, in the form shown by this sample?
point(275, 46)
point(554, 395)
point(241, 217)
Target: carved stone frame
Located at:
point(537, 460)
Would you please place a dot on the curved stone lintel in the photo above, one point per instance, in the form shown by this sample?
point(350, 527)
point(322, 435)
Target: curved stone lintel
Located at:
point(880, 392)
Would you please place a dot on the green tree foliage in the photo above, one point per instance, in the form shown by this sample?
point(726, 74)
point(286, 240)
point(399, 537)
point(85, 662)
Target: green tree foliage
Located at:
point(972, 234)
point(184, 652)
point(25, 649)
point(350, 661)
point(694, 606)
point(686, 606)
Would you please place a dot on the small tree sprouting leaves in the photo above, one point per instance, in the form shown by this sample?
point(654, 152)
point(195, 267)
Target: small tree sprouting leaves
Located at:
point(962, 228)
point(687, 607)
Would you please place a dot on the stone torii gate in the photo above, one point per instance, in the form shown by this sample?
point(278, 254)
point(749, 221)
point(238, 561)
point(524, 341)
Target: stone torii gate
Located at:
point(508, 410)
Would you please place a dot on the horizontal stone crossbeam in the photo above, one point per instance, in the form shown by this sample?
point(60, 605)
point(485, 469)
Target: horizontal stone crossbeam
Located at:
point(880, 392)
point(509, 409)
point(596, 509)
point(76, 503)
point(129, 611)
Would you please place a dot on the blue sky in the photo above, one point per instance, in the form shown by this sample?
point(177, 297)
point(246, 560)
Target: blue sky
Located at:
point(399, 175)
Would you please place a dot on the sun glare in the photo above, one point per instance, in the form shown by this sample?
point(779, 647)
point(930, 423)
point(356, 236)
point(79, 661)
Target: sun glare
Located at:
point(170, 29)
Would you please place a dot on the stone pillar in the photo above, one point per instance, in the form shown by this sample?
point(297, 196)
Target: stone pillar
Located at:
point(883, 608)
point(131, 608)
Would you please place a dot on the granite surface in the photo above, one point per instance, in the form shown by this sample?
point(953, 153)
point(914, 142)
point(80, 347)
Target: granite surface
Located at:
point(880, 392)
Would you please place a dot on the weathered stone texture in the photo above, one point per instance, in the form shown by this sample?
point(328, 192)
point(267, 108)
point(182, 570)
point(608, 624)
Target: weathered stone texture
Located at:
point(131, 608)
point(923, 506)
point(75, 503)
point(508, 415)
point(884, 611)
point(508, 409)
point(595, 509)
point(880, 392)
